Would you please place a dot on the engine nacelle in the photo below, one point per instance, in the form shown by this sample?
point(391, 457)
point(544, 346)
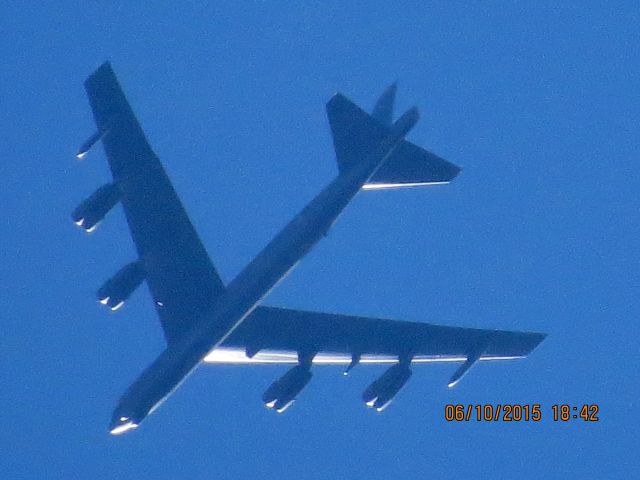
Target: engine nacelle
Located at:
point(379, 394)
point(91, 211)
point(283, 392)
point(120, 287)
point(91, 141)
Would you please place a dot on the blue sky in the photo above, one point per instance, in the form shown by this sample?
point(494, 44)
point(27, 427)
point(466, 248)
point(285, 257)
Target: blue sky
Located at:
point(540, 105)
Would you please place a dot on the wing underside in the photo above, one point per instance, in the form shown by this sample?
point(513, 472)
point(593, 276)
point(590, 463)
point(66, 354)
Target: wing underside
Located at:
point(281, 336)
point(278, 335)
point(182, 280)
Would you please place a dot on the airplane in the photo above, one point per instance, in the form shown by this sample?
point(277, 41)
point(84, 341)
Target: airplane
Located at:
point(206, 321)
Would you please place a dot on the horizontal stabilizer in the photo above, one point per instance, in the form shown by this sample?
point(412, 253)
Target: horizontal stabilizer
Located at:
point(412, 166)
point(355, 133)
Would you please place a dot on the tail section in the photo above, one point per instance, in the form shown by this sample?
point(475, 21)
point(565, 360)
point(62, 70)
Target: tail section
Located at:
point(356, 134)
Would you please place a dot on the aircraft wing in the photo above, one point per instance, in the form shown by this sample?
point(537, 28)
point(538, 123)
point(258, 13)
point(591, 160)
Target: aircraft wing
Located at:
point(180, 275)
point(276, 335)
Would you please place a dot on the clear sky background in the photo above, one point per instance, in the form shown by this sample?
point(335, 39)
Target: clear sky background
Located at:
point(539, 105)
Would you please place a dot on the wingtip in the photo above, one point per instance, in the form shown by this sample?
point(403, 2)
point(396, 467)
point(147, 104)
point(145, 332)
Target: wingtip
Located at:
point(103, 70)
point(104, 67)
point(536, 339)
point(337, 98)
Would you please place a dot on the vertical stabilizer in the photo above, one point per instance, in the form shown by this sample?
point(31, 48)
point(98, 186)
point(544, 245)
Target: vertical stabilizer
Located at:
point(383, 110)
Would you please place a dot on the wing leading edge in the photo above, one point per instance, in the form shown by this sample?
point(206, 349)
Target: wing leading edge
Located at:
point(180, 275)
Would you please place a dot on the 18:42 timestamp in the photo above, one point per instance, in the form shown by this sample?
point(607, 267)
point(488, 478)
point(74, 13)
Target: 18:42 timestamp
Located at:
point(565, 412)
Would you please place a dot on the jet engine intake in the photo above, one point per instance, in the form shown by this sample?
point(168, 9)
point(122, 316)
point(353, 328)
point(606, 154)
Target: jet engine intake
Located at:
point(379, 394)
point(283, 392)
point(92, 210)
point(120, 287)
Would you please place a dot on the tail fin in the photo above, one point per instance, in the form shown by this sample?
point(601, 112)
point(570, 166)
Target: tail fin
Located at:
point(356, 133)
point(383, 110)
point(409, 165)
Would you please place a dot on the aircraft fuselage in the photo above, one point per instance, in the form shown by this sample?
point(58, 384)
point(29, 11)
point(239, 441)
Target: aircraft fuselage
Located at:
point(244, 293)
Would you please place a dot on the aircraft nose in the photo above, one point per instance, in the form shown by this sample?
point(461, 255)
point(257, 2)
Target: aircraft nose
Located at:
point(122, 424)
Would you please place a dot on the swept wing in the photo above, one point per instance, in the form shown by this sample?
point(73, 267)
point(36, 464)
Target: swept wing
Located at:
point(182, 280)
point(276, 335)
